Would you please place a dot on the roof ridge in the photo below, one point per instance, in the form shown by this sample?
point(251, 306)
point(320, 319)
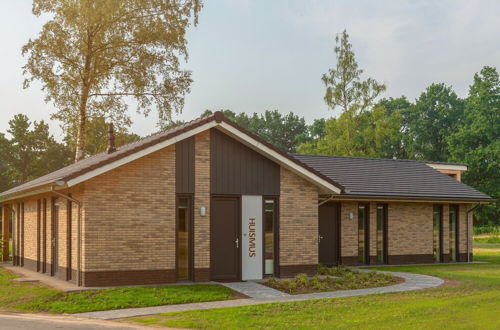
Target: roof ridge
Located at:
point(375, 158)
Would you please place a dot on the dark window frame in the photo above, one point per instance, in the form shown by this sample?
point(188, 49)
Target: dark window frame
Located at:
point(275, 236)
point(385, 233)
point(190, 198)
point(366, 225)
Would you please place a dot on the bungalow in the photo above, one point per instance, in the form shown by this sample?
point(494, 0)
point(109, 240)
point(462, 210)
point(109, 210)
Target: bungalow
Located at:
point(209, 200)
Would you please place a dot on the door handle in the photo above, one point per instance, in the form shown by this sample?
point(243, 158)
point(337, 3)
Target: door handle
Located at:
point(320, 238)
point(237, 243)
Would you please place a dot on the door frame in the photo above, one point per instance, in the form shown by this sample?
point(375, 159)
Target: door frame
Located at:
point(276, 235)
point(190, 198)
point(338, 228)
point(385, 233)
point(367, 233)
point(238, 226)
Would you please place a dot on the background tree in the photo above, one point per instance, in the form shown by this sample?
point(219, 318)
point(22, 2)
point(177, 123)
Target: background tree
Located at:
point(5, 182)
point(97, 137)
point(285, 132)
point(31, 151)
point(92, 54)
point(344, 87)
point(437, 113)
point(477, 141)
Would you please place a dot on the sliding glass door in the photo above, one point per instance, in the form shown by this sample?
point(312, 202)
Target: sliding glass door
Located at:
point(382, 233)
point(184, 239)
point(363, 234)
point(437, 217)
point(453, 232)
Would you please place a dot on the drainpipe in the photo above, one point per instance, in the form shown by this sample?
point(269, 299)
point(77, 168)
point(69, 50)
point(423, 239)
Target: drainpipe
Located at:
point(13, 230)
point(78, 231)
point(467, 225)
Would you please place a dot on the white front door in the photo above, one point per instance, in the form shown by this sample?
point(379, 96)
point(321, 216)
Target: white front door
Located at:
point(252, 239)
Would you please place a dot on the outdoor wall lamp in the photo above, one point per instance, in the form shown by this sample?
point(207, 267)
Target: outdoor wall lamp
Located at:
point(351, 215)
point(203, 211)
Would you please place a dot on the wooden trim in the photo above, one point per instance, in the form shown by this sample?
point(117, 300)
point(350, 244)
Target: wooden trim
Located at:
point(339, 233)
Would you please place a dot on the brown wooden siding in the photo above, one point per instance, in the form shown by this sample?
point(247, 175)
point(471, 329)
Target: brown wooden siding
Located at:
point(237, 169)
point(184, 166)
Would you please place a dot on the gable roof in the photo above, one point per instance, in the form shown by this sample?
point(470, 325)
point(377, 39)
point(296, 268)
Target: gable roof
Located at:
point(103, 162)
point(375, 177)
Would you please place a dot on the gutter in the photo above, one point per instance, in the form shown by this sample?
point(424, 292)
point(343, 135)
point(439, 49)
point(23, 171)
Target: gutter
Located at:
point(78, 231)
point(467, 224)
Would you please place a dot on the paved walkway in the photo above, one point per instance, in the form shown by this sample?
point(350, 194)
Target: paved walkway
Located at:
point(262, 295)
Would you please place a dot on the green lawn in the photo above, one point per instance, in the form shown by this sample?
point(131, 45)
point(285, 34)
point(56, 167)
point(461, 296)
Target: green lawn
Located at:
point(31, 297)
point(469, 300)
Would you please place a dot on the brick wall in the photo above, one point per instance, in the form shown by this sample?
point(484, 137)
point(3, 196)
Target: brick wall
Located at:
point(349, 232)
point(129, 219)
point(298, 222)
point(202, 198)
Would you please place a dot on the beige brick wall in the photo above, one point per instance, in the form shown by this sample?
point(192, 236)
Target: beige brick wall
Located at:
point(462, 219)
point(298, 220)
point(410, 228)
point(30, 229)
point(202, 198)
point(130, 216)
point(373, 229)
point(349, 229)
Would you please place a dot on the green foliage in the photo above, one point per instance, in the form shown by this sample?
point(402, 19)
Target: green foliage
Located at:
point(92, 54)
point(436, 114)
point(344, 87)
point(487, 229)
point(477, 141)
point(31, 297)
point(374, 133)
point(30, 152)
point(283, 131)
point(97, 137)
point(331, 279)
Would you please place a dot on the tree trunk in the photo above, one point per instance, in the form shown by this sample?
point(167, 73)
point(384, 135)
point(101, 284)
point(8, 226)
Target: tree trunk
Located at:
point(82, 126)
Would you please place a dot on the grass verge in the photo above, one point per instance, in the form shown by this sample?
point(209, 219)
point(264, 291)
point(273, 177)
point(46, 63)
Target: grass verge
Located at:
point(32, 297)
point(472, 303)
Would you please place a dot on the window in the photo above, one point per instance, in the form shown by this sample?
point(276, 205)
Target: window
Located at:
point(183, 238)
point(437, 217)
point(453, 232)
point(381, 233)
point(269, 222)
point(362, 234)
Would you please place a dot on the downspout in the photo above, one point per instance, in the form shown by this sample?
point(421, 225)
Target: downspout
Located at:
point(13, 230)
point(78, 233)
point(467, 215)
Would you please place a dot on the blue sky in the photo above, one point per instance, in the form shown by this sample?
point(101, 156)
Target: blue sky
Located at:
point(252, 56)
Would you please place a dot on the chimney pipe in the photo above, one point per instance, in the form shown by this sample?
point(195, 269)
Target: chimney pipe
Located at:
point(111, 139)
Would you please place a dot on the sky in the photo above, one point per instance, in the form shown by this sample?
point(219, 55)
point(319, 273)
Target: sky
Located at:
point(256, 55)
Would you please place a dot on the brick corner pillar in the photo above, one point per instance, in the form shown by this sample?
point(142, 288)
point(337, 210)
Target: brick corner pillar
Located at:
point(202, 199)
point(5, 233)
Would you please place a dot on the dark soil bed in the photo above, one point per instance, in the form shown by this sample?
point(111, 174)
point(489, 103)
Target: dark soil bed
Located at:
point(333, 279)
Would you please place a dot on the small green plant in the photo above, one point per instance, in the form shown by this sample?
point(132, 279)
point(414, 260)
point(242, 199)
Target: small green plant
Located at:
point(331, 279)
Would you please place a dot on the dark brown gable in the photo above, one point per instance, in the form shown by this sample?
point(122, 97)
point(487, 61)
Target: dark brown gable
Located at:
point(184, 166)
point(237, 169)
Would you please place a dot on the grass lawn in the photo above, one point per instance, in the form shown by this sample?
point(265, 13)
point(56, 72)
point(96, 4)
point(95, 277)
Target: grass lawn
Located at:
point(31, 297)
point(469, 300)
